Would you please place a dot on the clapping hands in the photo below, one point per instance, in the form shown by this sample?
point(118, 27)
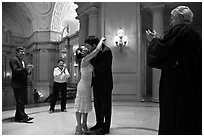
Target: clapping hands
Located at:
point(30, 67)
point(151, 35)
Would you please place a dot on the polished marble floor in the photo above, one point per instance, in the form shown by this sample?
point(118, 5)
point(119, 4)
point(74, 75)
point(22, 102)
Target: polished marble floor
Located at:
point(128, 118)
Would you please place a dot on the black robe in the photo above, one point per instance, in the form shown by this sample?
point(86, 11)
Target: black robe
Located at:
point(179, 56)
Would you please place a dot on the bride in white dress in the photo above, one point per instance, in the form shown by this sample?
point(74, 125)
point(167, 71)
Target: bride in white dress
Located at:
point(83, 103)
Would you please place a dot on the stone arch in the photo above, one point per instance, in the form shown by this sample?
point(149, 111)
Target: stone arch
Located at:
point(13, 23)
point(18, 18)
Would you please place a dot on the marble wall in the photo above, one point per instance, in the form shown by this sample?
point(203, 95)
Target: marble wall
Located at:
point(126, 60)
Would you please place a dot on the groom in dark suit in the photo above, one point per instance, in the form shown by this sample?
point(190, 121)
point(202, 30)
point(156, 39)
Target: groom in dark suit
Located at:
point(20, 73)
point(102, 82)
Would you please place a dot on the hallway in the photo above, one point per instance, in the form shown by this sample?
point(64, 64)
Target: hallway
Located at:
point(128, 118)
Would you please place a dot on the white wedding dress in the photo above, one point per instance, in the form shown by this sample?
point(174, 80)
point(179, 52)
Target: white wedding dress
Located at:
point(83, 96)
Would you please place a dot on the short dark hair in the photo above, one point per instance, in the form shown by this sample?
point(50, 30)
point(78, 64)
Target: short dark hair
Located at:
point(92, 40)
point(79, 53)
point(18, 49)
point(60, 60)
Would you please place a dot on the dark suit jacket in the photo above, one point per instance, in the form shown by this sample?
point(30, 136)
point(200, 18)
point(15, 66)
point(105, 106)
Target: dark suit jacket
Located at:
point(19, 74)
point(102, 64)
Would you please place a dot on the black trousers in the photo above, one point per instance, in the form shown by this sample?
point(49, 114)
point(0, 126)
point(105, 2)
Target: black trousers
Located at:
point(59, 87)
point(103, 106)
point(20, 96)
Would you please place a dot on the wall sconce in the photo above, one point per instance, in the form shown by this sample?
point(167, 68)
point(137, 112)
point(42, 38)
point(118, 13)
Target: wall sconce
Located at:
point(8, 75)
point(121, 39)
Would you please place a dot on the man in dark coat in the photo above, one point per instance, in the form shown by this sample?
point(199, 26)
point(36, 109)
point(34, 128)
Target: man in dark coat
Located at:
point(102, 82)
point(20, 73)
point(179, 56)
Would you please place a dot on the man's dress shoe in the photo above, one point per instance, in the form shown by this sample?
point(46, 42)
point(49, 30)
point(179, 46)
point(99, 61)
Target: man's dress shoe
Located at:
point(102, 132)
point(25, 120)
point(96, 127)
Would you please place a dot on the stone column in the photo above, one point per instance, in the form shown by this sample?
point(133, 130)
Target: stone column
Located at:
point(83, 31)
point(158, 26)
point(45, 56)
point(45, 60)
point(93, 21)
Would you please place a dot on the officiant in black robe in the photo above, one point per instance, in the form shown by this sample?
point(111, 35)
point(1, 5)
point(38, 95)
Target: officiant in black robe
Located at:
point(179, 56)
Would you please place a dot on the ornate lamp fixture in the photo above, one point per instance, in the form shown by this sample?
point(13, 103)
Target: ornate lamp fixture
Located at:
point(121, 39)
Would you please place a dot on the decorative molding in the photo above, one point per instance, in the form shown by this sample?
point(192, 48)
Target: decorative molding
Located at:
point(159, 7)
point(82, 17)
point(56, 17)
point(92, 10)
point(43, 50)
point(83, 6)
point(147, 5)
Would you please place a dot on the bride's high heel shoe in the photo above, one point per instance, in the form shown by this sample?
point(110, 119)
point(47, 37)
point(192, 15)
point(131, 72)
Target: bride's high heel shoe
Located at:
point(84, 127)
point(78, 130)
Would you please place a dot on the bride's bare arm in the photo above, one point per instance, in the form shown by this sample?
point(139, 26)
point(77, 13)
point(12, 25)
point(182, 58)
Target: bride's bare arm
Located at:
point(94, 52)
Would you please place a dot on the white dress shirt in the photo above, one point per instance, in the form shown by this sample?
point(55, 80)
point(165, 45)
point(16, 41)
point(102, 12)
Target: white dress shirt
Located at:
point(23, 63)
point(59, 76)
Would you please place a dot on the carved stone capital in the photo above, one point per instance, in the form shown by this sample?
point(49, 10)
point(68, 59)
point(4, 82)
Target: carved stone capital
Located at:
point(157, 8)
point(92, 10)
point(82, 17)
